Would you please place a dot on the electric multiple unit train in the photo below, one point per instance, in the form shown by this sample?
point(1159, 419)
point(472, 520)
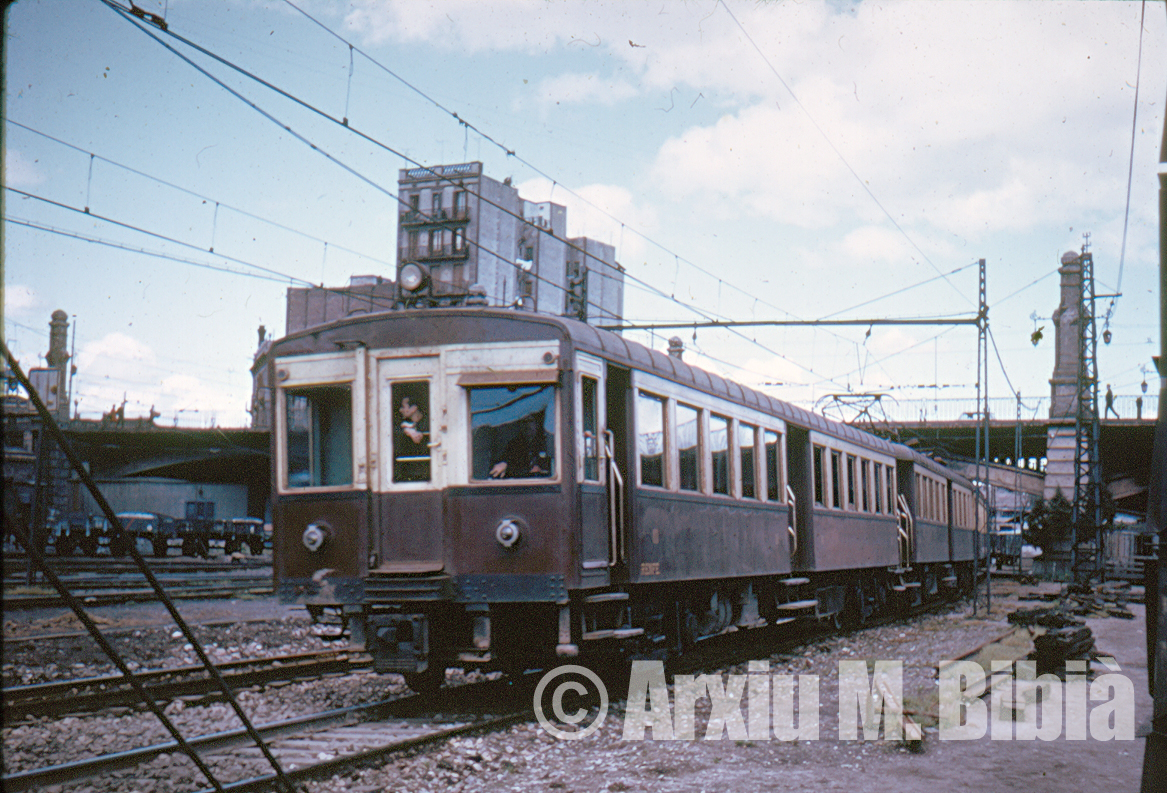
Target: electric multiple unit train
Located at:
point(489, 488)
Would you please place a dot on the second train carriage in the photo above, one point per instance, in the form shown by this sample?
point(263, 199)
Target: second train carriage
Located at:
point(479, 487)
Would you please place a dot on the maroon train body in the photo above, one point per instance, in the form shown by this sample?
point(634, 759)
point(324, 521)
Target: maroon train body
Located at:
point(490, 488)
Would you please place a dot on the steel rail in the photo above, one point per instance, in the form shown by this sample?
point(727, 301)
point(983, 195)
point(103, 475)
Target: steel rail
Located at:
point(60, 697)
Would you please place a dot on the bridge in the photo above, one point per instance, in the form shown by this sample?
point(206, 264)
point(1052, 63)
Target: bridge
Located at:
point(1124, 451)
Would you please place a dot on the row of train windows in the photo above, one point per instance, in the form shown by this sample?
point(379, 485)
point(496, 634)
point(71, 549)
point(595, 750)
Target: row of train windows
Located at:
point(845, 481)
point(512, 433)
point(695, 450)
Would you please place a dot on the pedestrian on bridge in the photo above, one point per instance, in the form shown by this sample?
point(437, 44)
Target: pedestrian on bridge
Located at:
point(1110, 403)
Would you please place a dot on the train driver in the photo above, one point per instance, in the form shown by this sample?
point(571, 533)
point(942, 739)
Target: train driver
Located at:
point(526, 452)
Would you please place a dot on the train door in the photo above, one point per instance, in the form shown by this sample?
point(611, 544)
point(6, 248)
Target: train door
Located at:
point(800, 497)
point(407, 450)
point(907, 509)
point(595, 553)
point(616, 451)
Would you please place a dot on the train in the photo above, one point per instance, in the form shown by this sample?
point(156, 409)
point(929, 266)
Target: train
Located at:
point(157, 534)
point(495, 489)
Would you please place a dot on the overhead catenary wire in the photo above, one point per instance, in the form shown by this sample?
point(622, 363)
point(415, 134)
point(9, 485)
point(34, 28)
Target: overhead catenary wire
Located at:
point(1130, 169)
point(141, 26)
point(192, 193)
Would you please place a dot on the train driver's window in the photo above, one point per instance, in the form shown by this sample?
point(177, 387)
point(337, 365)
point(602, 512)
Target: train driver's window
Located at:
point(512, 432)
point(820, 484)
point(688, 431)
point(411, 431)
point(650, 438)
point(773, 467)
point(319, 447)
point(591, 425)
point(719, 447)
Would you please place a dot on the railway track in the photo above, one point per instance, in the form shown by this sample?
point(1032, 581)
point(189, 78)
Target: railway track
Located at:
point(105, 592)
point(65, 697)
point(322, 742)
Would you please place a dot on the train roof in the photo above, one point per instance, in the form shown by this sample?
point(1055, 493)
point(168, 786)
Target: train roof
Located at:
point(616, 348)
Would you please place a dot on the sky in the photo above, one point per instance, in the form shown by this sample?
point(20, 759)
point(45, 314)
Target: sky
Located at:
point(749, 161)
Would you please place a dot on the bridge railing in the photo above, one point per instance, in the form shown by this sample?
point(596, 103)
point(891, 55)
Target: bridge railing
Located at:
point(1000, 408)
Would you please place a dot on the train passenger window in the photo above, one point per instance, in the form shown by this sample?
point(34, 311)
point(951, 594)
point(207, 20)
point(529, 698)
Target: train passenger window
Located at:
point(891, 490)
point(865, 482)
point(688, 448)
point(773, 469)
point(719, 449)
point(745, 445)
point(318, 423)
point(650, 438)
point(836, 477)
point(411, 431)
point(819, 481)
point(851, 483)
point(512, 432)
point(591, 424)
point(877, 486)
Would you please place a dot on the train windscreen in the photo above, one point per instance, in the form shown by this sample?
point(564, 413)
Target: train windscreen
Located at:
point(513, 431)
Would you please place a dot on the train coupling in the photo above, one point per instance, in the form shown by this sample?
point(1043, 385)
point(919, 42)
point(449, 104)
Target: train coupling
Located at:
point(398, 642)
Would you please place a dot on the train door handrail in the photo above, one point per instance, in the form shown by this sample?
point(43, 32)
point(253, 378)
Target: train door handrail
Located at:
point(615, 502)
point(791, 525)
point(907, 529)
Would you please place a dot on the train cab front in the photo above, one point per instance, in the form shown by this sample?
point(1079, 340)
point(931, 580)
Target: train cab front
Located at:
point(422, 495)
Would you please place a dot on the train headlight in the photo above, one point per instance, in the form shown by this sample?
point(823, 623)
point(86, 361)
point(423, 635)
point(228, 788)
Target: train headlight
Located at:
point(508, 533)
point(412, 277)
point(315, 536)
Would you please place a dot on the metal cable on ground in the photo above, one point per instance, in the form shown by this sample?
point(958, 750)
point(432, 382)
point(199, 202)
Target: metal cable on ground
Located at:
point(62, 441)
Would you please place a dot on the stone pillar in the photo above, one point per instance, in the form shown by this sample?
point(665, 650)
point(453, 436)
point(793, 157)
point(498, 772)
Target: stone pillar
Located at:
point(1061, 443)
point(58, 359)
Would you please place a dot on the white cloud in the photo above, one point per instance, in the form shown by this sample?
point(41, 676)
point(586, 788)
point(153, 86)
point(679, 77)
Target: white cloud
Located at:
point(577, 88)
point(19, 299)
point(21, 171)
point(118, 366)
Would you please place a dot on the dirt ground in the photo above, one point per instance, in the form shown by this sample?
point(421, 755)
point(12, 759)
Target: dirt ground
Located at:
point(525, 758)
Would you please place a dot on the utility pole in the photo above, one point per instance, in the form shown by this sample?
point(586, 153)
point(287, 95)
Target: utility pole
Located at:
point(983, 538)
point(1086, 534)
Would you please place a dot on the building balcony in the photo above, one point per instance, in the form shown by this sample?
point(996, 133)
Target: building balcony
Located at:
point(412, 217)
point(428, 255)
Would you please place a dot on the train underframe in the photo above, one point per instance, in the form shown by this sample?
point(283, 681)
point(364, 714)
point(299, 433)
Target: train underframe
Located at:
point(423, 635)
